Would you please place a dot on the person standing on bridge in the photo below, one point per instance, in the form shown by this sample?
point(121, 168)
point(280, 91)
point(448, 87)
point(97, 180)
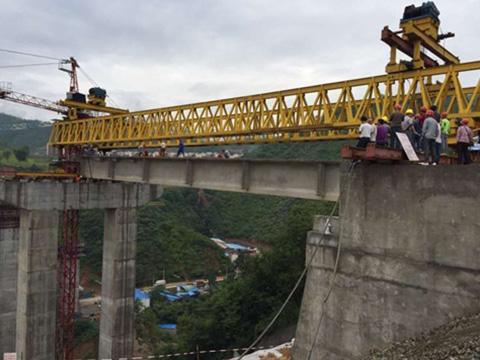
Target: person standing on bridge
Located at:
point(396, 126)
point(163, 149)
point(407, 124)
point(464, 140)
point(181, 148)
point(436, 114)
point(382, 132)
point(438, 142)
point(417, 133)
point(445, 127)
point(429, 133)
point(365, 131)
point(422, 116)
point(373, 134)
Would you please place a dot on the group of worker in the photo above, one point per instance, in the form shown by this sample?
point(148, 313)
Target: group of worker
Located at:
point(428, 132)
point(143, 152)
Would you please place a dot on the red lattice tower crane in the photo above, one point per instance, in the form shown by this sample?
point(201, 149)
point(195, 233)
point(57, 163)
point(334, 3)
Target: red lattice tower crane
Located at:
point(67, 285)
point(73, 107)
point(68, 248)
point(68, 258)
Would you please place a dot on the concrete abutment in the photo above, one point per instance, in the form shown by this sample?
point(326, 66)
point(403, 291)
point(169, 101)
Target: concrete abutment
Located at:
point(410, 259)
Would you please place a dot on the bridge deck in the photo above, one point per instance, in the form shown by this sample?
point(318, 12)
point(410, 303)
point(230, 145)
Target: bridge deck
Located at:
point(291, 178)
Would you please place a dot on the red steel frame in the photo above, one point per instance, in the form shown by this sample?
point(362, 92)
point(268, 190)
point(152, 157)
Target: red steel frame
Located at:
point(67, 285)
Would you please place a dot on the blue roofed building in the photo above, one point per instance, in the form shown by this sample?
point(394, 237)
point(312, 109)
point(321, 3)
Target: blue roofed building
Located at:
point(143, 297)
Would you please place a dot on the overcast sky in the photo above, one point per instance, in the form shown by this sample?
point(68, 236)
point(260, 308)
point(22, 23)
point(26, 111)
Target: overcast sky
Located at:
point(156, 53)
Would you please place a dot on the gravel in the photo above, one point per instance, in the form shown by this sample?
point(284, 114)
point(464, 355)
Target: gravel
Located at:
point(458, 339)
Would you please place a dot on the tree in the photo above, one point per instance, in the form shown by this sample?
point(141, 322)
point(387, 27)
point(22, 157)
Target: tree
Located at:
point(21, 153)
point(6, 154)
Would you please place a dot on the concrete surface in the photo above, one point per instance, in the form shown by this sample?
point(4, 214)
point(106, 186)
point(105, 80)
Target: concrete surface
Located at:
point(290, 178)
point(410, 259)
point(37, 285)
point(28, 296)
point(118, 284)
point(60, 195)
point(8, 288)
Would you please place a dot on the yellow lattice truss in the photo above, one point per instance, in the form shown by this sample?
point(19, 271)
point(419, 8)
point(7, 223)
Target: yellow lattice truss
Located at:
point(320, 112)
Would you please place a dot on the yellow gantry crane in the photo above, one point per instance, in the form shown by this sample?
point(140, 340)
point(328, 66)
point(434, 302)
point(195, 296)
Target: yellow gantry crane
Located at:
point(432, 75)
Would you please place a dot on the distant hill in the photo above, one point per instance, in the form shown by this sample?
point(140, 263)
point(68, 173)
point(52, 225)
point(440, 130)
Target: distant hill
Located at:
point(16, 132)
point(10, 122)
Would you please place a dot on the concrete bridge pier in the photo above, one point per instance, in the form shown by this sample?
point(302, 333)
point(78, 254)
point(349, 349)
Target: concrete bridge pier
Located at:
point(29, 330)
point(9, 231)
point(37, 284)
point(118, 284)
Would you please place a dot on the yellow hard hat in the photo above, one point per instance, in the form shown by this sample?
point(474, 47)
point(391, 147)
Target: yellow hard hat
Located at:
point(409, 111)
point(384, 118)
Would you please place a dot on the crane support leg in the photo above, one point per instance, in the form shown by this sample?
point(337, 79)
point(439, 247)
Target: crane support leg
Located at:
point(67, 285)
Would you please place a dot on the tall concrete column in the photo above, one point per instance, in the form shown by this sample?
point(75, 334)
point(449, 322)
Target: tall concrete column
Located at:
point(118, 284)
point(37, 284)
point(8, 278)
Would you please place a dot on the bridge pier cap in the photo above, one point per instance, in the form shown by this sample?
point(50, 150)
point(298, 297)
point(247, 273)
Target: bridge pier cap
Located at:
point(61, 195)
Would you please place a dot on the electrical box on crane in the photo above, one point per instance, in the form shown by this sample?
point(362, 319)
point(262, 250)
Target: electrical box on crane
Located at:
point(97, 96)
point(419, 30)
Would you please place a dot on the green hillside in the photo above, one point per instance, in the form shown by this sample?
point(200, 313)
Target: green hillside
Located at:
point(10, 122)
point(16, 133)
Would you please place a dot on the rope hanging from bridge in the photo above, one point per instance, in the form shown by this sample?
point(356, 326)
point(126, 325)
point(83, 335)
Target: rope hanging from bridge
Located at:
point(334, 275)
point(302, 275)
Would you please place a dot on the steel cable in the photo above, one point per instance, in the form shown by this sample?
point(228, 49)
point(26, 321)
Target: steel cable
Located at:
point(332, 282)
point(29, 54)
point(300, 278)
point(26, 65)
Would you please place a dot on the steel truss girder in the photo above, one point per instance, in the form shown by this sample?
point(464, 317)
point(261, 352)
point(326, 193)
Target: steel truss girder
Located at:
point(320, 112)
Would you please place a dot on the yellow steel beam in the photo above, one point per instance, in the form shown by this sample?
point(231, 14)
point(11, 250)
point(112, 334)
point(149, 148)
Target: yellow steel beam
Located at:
point(320, 112)
point(86, 106)
point(413, 31)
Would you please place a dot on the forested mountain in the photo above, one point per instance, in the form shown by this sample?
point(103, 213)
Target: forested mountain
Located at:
point(16, 133)
point(10, 122)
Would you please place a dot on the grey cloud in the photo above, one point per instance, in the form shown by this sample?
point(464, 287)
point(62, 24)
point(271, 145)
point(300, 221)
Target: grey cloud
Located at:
point(156, 53)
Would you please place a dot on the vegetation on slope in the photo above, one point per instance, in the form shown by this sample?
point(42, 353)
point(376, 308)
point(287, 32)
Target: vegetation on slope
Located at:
point(17, 133)
point(240, 308)
point(21, 159)
point(10, 122)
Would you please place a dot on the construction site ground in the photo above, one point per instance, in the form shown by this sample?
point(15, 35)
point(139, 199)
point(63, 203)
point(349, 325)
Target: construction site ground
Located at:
point(458, 339)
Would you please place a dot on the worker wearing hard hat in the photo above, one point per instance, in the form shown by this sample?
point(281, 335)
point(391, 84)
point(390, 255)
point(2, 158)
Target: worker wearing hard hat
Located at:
point(430, 132)
point(396, 126)
point(382, 132)
point(407, 123)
